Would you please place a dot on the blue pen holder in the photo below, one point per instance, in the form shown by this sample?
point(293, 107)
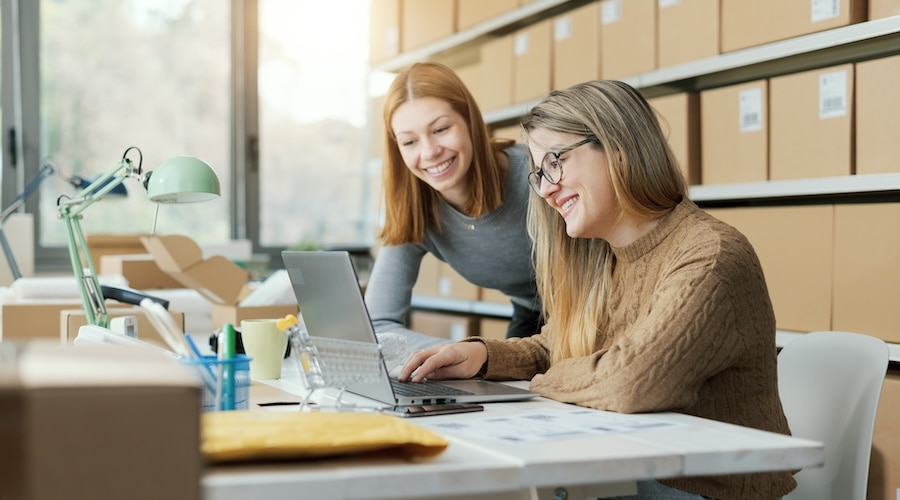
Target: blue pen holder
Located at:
point(226, 382)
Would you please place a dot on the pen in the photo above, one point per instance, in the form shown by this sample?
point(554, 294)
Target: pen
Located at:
point(226, 356)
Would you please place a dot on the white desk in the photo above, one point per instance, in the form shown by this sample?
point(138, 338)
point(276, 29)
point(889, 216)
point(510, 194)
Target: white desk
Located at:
point(478, 467)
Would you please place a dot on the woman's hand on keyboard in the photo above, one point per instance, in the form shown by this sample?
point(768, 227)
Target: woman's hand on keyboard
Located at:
point(460, 360)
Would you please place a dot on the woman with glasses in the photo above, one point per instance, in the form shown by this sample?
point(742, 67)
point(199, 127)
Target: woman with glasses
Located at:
point(652, 304)
point(451, 191)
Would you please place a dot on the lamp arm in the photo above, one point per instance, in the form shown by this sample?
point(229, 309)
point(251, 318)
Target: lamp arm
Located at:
point(42, 174)
point(70, 210)
point(92, 299)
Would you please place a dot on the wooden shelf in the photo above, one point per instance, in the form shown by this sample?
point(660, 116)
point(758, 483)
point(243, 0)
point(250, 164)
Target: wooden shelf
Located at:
point(857, 42)
point(824, 189)
point(497, 26)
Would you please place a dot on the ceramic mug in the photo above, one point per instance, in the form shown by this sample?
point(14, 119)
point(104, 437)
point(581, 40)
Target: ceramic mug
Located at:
point(265, 344)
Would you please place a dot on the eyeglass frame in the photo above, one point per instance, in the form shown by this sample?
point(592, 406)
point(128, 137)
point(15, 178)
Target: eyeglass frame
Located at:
point(535, 176)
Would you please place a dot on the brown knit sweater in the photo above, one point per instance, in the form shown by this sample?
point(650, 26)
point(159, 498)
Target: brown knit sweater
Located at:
point(691, 330)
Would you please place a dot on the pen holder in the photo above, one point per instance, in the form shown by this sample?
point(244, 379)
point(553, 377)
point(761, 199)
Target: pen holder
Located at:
point(226, 382)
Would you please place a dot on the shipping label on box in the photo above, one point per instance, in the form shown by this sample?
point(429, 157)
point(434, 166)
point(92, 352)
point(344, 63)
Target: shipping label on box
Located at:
point(811, 124)
point(734, 134)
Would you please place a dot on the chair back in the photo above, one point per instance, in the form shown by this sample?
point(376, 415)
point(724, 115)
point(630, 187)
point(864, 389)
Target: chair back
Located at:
point(830, 383)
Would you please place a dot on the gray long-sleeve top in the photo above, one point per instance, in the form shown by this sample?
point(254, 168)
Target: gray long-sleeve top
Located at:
point(493, 251)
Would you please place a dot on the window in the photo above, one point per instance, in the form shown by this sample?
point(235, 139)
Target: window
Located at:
point(284, 127)
point(147, 73)
point(313, 68)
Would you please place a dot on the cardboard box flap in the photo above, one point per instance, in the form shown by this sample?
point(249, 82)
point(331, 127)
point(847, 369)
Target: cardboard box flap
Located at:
point(173, 253)
point(217, 278)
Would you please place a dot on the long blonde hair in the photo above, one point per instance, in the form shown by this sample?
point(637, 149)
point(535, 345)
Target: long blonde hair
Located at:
point(574, 274)
point(411, 205)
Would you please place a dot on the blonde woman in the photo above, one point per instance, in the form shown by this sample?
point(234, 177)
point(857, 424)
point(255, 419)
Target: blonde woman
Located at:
point(651, 303)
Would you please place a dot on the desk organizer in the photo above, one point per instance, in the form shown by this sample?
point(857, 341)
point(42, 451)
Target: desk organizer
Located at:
point(226, 382)
point(333, 363)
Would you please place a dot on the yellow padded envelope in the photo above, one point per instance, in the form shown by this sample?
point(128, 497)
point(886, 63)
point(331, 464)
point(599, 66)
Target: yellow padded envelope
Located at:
point(232, 436)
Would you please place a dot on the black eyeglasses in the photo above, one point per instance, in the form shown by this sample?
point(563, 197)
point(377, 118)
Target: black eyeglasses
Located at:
point(551, 165)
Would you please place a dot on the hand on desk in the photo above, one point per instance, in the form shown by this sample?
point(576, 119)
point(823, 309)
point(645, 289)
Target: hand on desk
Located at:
point(460, 360)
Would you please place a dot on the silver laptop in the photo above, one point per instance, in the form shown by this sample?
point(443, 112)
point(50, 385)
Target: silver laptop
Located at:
point(332, 306)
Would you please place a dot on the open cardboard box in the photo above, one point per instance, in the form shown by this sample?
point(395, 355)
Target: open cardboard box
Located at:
point(217, 278)
point(97, 421)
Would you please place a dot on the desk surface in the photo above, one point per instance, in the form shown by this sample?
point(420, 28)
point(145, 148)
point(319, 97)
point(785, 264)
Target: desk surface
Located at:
point(475, 463)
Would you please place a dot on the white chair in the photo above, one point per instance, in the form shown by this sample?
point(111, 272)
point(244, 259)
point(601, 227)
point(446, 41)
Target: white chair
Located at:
point(830, 383)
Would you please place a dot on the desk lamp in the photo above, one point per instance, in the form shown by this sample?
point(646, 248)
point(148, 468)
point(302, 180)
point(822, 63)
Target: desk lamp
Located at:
point(182, 179)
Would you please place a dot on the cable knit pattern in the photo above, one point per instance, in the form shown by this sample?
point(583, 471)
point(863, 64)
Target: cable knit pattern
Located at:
point(691, 330)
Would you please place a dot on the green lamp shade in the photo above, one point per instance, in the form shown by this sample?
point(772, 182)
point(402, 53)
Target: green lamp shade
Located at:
point(183, 179)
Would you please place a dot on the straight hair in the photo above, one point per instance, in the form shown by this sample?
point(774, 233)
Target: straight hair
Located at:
point(411, 205)
point(647, 183)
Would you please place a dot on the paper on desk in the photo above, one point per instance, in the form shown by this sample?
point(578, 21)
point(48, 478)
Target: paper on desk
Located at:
point(533, 427)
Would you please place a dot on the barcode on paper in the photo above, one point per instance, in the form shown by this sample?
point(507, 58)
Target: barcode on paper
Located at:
point(750, 110)
point(832, 95)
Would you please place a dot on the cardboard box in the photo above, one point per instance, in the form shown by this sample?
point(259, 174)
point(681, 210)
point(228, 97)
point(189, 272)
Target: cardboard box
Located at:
point(41, 320)
point(512, 132)
point(384, 30)
point(113, 244)
point(795, 248)
point(734, 133)
point(218, 279)
point(679, 117)
point(884, 464)
point(627, 38)
point(140, 270)
point(426, 22)
point(493, 328)
point(746, 23)
point(472, 12)
point(879, 9)
point(532, 62)
point(70, 320)
point(877, 116)
point(576, 46)
point(470, 75)
point(867, 269)
point(443, 325)
point(493, 296)
point(454, 286)
point(429, 277)
point(687, 30)
point(496, 89)
point(811, 120)
point(98, 422)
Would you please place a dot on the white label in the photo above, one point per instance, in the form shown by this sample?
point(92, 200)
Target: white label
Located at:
point(750, 110)
point(897, 492)
point(832, 95)
point(823, 10)
point(562, 28)
point(668, 3)
point(445, 286)
point(611, 11)
point(520, 45)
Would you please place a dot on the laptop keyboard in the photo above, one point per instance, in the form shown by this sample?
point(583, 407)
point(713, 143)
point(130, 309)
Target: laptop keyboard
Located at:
point(425, 389)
